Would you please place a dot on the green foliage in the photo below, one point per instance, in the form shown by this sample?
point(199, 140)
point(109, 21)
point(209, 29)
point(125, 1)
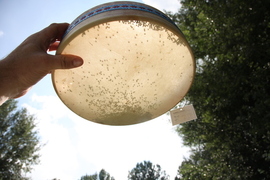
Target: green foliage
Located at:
point(147, 171)
point(231, 92)
point(90, 177)
point(19, 143)
point(103, 175)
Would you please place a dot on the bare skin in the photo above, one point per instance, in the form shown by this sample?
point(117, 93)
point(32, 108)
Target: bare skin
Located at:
point(29, 62)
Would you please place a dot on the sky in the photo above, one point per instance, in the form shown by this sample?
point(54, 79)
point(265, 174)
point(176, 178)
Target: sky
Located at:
point(73, 146)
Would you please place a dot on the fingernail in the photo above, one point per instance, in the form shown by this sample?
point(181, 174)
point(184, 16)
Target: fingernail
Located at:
point(77, 62)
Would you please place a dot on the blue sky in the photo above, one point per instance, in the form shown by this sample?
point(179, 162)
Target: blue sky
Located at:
point(74, 146)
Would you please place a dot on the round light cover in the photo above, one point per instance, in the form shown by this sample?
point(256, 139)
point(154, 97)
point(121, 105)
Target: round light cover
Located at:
point(137, 64)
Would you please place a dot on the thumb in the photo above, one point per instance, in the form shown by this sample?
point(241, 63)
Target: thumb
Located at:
point(65, 62)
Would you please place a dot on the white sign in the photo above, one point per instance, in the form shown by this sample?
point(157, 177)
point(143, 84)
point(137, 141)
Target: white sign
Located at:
point(183, 114)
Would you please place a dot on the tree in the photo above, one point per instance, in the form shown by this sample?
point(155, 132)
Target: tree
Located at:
point(90, 177)
point(231, 92)
point(19, 143)
point(103, 175)
point(147, 171)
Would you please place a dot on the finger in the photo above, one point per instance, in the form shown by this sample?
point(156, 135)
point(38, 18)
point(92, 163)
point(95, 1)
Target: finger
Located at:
point(50, 34)
point(64, 62)
point(54, 46)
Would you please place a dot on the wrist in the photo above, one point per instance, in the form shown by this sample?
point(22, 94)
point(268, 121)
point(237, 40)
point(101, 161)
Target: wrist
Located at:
point(3, 99)
point(8, 84)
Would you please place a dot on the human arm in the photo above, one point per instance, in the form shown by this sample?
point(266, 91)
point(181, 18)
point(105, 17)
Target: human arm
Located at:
point(29, 62)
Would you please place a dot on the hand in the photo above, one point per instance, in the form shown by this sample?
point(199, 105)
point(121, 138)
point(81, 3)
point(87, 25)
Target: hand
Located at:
point(29, 62)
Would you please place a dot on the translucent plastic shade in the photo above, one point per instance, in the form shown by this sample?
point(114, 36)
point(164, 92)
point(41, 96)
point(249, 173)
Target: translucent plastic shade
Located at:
point(133, 71)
